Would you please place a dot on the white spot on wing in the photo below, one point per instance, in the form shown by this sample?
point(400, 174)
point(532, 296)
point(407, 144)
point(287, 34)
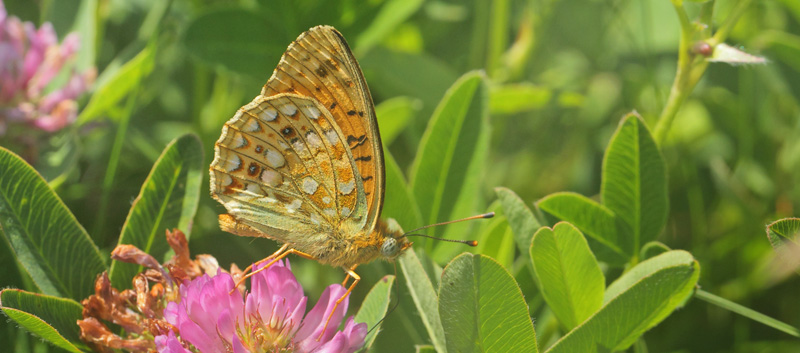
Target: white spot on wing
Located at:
point(268, 114)
point(294, 206)
point(232, 163)
point(333, 138)
point(314, 140)
point(329, 212)
point(345, 211)
point(238, 140)
point(311, 112)
point(288, 109)
point(251, 125)
point(274, 158)
point(310, 185)
point(299, 146)
point(271, 177)
point(225, 179)
point(253, 189)
point(346, 188)
point(326, 199)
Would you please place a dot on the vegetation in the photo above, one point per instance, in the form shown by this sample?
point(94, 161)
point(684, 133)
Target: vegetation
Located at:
point(641, 157)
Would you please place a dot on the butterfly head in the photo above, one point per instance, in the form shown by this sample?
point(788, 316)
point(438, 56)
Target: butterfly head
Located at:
point(394, 242)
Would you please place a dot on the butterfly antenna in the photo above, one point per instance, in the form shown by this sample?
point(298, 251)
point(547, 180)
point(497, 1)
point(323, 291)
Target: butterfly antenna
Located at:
point(396, 303)
point(468, 242)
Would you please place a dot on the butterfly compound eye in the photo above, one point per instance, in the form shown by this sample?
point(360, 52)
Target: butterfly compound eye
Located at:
point(389, 248)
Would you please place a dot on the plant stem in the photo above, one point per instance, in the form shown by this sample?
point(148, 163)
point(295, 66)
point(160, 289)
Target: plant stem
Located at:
point(746, 312)
point(680, 89)
point(690, 66)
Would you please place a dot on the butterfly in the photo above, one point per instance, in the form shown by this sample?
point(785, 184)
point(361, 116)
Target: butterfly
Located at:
point(303, 162)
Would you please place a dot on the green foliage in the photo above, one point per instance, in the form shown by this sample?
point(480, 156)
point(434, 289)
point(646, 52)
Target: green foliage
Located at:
point(783, 232)
point(633, 193)
point(46, 239)
point(568, 273)
point(117, 83)
point(482, 308)
point(51, 318)
point(522, 98)
point(448, 168)
point(424, 295)
point(373, 308)
point(168, 200)
point(520, 218)
point(643, 297)
point(634, 183)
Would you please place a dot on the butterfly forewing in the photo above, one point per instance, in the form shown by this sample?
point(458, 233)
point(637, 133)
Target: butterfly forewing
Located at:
point(320, 65)
point(282, 167)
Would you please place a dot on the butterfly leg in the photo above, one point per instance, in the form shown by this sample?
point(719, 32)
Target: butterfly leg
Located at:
point(275, 257)
point(356, 278)
point(259, 262)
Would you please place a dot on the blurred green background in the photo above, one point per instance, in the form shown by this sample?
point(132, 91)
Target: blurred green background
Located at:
point(562, 74)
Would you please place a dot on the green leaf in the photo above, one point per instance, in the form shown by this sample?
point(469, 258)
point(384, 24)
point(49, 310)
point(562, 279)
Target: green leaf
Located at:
point(399, 202)
point(595, 221)
point(637, 301)
point(653, 249)
point(115, 84)
point(496, 238)
point(452, 155)
point(569, 276)
point(647, 268)
point(47, 240)
point(394, 115)
point(40, 328)
point(373, 308)
point(391, 14)
point(520, 218)
point(248, 45)
point(518, 98)
point(482, 308)
point(50, 318)
point(168, 199)
point(634, 184)
point(424, 296)
point(784, 232)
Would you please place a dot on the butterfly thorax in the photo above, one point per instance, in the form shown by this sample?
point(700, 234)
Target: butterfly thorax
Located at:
point(385, 241)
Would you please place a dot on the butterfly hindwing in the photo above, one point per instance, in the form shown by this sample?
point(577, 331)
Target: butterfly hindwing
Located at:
point(281, 166)
point(320, 65)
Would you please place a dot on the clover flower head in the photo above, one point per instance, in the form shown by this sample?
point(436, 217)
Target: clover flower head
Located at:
point(212, 317)
point(30, 60)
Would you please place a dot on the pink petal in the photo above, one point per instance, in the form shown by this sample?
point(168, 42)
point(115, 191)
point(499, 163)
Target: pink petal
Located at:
point(314, 322)
point(238, 347)
point(169, 344)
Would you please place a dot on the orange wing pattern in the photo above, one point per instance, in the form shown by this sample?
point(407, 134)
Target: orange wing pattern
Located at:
point(320, 65)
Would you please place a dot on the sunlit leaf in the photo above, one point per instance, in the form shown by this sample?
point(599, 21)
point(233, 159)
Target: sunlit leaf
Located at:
point(424, 296)
point(569, 276)
point(47, 240)
point(483, 309)
point(116, 84)
point(597, 222)
point(51, 318)
point(448, 168)
point(634, 185)
point(373, 308)
point(636, 302)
